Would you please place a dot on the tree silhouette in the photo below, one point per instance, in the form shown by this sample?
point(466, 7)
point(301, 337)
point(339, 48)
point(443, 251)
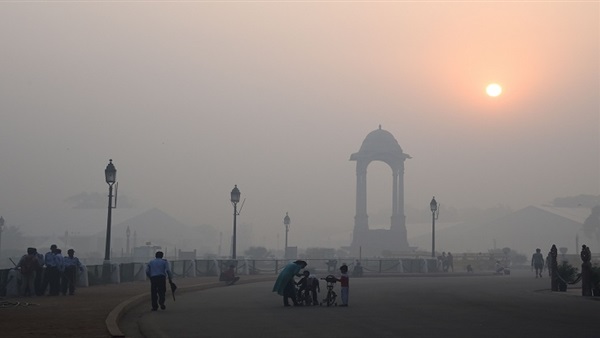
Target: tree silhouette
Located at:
point(12, 238)
point(257, 252)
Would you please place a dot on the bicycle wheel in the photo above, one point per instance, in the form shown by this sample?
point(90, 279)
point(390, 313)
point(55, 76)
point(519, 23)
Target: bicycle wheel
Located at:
point(307, 299)
point(330, 298)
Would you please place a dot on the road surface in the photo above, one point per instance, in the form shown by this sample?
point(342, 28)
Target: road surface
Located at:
point(517, 305)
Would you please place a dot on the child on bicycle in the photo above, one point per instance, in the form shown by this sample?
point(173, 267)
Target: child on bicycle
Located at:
point(303, 286)
point(344, 284)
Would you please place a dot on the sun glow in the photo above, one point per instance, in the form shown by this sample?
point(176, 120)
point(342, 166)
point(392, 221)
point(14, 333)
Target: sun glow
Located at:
point(493, 89)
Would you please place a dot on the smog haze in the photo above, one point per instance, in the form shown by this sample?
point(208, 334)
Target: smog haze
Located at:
point(191, 98)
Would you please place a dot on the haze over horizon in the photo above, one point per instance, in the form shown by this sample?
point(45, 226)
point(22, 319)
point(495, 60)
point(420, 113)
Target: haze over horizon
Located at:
point(191, 98)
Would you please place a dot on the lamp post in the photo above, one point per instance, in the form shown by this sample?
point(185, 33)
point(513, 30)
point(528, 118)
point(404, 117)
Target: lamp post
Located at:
point(435, 212)
point(1, 229)
point(286, 222)
point(110, 174)
point(235, 199)
point(134, 244)
point(128, 233)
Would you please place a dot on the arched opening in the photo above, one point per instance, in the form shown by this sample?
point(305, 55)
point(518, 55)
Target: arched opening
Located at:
point(379, 192)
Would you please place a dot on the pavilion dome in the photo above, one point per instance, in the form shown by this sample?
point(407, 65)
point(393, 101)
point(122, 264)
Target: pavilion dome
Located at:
point(380, 142)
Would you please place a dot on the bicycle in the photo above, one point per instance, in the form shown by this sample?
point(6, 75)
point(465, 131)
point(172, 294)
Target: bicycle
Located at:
point(303, 297)
point(331, 297)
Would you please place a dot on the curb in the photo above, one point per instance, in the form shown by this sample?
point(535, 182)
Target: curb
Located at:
point(112, 320)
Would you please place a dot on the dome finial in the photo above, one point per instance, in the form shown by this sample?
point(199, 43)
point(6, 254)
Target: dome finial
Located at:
point(379, 126)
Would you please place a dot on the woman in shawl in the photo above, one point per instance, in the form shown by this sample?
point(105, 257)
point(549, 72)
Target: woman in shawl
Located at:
point(284, 285)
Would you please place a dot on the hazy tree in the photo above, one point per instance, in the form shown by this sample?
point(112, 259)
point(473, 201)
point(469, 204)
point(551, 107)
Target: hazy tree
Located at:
point(591, 226)
point(257, 252)
point(476, 215)
point(95, 200)
point(12, 238)
point(320, 253)
point(585, 201)
point(423, 214)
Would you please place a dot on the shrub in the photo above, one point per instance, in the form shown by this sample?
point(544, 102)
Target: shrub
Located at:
point(567, 274)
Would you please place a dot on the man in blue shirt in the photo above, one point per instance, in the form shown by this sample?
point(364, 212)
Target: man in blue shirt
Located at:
point(52, 273)
point(69, 277)
point(158, 271)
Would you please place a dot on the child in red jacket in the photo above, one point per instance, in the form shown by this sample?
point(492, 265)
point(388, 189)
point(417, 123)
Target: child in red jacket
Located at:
point(344, 284)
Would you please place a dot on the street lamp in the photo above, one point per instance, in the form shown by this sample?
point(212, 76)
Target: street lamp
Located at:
point(235, 199)
point(110, 174)
point(286, 222)
point(128, 233)
point(134, 241)
point(435, 212)
point(1, 229)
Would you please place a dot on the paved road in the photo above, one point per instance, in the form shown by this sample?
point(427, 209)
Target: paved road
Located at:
point(462, 306)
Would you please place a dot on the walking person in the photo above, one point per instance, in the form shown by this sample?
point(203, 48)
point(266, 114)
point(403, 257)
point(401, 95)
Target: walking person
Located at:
point(537, 262)
point(158, 271)
point(72, 269)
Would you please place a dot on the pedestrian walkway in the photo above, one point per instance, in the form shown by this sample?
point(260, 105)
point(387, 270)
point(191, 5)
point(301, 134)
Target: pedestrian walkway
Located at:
point(86, 314)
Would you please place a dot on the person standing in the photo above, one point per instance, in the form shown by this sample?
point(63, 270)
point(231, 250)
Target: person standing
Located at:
point(537, 262)
point(158, 271)
point(39, 273)
point(450, 260)
point(444, 262)
point(60, 262)
point(314, 287)
point(344, 284)
point(52, 273)
point(72, 269)
point(28, 266)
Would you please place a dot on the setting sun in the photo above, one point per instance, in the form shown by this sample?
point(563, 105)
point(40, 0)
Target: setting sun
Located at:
point(493, 89)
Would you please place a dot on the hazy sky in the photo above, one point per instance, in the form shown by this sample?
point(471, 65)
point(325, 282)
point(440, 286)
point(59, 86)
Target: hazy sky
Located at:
point(190, 98)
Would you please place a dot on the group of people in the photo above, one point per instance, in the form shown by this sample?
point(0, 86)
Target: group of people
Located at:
point(446, 261)
point(308, 285)
point(52, 271)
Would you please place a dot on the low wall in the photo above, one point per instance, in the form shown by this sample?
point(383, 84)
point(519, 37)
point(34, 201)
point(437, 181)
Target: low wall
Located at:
point(134, 271)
